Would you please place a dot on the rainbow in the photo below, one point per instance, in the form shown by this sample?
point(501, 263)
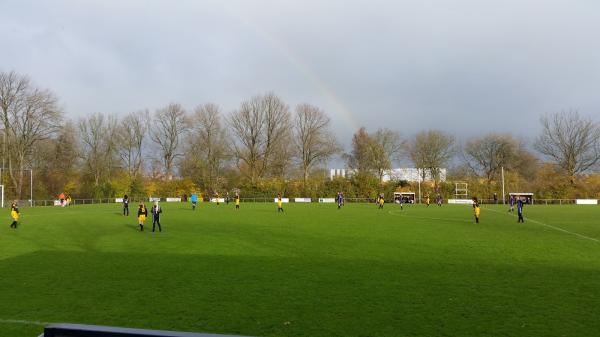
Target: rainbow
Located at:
point(341, 110)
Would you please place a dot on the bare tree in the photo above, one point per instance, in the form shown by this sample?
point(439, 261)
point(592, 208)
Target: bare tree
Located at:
point(98, 146)
point(364, 149)
point(389, 150)
point(66, 147)
point(208, 145)
point(37, 118)
point(55, 161)
point(571, 141)
point(277, 132)
point(282, 159)
point(247, 125)
point(261, 129)
point(29, 115)
point(527, 165)
point(131, 134)
point(313, 140)
point(430, 151)
point(14, 88)
point(488, 154)
point(168, 126)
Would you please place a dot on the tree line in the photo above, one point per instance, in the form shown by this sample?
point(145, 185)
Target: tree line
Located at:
point(265, 146)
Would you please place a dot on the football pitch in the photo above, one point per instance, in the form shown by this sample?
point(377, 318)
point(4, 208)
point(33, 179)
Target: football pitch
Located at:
point(312, 271)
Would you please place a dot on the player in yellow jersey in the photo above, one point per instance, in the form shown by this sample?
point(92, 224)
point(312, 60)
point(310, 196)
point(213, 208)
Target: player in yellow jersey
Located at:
point(237, 201)
point(381, 201)
point(14, 213)
point(476, 209)
point(279, 203)
point(142, 214)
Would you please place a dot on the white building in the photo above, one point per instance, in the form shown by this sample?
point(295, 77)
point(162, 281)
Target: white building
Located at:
point(409, 174)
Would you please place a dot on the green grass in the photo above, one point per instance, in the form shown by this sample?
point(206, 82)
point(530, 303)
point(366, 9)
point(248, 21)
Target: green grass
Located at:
point(313, 271)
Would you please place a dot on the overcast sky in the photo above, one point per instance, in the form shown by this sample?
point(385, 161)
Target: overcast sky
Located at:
point(466, 67)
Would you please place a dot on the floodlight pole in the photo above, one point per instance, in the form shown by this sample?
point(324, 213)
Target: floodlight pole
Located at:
point(30, 187)
point(419, 181)
point(503, 198)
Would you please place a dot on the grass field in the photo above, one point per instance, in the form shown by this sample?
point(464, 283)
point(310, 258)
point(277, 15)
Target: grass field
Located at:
point(313, 271)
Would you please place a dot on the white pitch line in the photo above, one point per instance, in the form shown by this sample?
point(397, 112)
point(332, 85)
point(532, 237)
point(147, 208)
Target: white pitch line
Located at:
point(397, 212)
point(21, 321)
point(550, 226)
point(64, 213)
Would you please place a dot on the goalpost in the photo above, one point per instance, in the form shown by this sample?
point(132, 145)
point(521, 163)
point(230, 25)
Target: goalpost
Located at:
point(30, 201)
point(461, 191)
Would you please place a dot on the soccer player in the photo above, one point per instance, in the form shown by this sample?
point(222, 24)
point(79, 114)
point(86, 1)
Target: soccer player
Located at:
point(227, 198)
point(142, 214)
point(520, 210)
point(14, 213)
point(194, 200)
point(381, 201)
point(125, 205)
point(237, 201)
point(439, 200)
point(427, 200)
point(156, 210)
point(217, 197)
point(279, 203)
point(476, 209)
point(61, 197)
point(340, 200)
point(511, 202)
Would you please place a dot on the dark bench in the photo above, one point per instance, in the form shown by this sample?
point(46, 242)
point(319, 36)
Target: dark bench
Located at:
point(80, 330)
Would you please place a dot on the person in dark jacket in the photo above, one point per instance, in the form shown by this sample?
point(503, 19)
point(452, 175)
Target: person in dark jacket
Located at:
point(520, 210)
point(340, 200)
point(156, 210)
point(125, 205)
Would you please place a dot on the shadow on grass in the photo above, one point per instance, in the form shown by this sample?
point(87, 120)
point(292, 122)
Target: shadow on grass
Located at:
point(135, 227)
point(310, 296)
point(188, 209)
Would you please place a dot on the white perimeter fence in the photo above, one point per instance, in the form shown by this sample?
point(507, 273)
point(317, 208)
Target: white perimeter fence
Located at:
point(135, 200)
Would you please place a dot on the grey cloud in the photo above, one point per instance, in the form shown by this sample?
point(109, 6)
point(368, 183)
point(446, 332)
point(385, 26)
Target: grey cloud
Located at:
point(467, 67)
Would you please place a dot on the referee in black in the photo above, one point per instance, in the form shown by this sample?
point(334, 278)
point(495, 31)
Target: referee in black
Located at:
point(156, 210)
point(125, 205)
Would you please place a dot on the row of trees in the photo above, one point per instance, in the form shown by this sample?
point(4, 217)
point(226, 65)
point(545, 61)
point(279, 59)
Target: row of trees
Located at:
point(262, 147)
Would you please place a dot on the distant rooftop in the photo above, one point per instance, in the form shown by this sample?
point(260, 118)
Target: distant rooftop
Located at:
point(409, 174)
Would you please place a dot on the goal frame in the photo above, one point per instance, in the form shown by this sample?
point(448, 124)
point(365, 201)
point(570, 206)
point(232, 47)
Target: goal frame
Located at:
point(461, 190)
